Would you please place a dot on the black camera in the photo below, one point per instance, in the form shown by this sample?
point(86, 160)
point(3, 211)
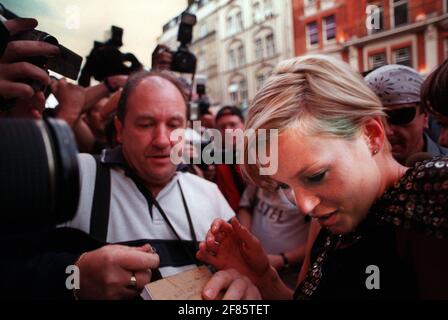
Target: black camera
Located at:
point(39, 174)
point(66, 63)
point(183, 60)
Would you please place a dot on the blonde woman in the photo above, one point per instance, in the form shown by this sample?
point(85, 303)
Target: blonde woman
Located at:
point(378, 227)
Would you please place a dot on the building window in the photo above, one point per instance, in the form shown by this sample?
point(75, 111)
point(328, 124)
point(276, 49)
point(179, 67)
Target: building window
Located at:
point(312, 34)
point(233, 91)
point(241, 56)
point(257, 12)
point(400, 15)
point(445, 4)
point(258, 49)
point(239, 21)
point(329, 28)
point(268, 8)
point(310, 7)
point(270, 46)
point(232, 60)
point(244, 95)
point(260, 80)
point(229, 24)
point(378, 60)
point(403, 56)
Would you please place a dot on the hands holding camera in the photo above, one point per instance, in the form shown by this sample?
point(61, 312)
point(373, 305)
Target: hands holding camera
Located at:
point(12, 71)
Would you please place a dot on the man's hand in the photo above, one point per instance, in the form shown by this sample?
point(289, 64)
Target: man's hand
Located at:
point(12, 71)
point(106, 273)
point(234, 285)
point(71, 100)
point(161, 58)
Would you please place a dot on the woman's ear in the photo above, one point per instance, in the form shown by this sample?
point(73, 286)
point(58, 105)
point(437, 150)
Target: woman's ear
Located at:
point(374, 133)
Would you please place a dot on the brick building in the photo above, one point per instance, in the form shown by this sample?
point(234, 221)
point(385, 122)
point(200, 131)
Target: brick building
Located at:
point(371, 33)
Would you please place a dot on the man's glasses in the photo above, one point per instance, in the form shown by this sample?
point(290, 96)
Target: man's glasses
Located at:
point(401, 116)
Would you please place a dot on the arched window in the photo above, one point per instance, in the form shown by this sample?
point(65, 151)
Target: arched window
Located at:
point(238, 90)
point(236, 54)
point(264, 43)
point(234, 20)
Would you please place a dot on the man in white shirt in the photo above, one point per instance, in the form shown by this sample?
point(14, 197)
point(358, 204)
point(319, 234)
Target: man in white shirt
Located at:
point(133, 194)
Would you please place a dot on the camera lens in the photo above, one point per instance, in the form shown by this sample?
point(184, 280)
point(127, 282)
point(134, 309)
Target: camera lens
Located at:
point(39, 176)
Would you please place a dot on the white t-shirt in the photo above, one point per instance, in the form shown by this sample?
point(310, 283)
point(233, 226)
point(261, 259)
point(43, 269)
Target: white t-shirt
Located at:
point(275, 222)
point(129, 215)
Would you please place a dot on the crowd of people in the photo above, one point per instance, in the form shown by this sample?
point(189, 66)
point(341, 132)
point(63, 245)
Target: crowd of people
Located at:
point(362, 180)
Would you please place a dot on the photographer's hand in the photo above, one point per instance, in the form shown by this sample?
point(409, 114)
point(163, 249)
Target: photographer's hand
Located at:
point(106, 273)
point(161, 58)
point(12, 71)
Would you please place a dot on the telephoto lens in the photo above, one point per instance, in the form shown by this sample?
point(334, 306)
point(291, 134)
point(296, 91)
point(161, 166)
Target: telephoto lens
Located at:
point(39, 174)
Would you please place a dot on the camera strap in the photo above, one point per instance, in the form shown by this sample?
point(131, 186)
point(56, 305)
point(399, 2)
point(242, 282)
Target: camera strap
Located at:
point(152, 201)
point(99, 215)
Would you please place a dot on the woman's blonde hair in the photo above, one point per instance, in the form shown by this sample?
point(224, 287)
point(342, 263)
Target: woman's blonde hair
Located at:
point(317, 94)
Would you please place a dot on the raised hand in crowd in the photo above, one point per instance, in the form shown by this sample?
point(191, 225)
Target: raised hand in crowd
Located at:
point(161, 58)
point(71, 98)
point(115, 272)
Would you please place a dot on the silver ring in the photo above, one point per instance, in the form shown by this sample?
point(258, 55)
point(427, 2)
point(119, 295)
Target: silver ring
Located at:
point(132, 282)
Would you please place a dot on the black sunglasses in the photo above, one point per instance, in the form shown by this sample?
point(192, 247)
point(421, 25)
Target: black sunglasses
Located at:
point(401, 116)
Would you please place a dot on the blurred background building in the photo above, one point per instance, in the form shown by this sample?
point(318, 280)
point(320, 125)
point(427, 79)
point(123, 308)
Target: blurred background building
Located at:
point(409, 32)
point(237, 43)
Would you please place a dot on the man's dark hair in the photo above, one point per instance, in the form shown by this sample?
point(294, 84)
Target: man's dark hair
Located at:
point(135, 79)
point(229, 111)
point(434, 91)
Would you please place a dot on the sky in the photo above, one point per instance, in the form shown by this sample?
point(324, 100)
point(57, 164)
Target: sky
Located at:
point(77, 23)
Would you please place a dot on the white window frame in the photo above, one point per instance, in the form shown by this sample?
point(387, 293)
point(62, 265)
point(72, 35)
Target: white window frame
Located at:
point(232, 59)
point(239, 21)
point(324, 29)
point(233, 92)
point(270, 46)
point(308, 39)
point(243, 90)
point(260, 80)
point(241, 53)
point(392, 11)
point(229, 23)
point(259, 51)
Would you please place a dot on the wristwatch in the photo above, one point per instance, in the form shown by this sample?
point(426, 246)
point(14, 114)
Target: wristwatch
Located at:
point(285, 260)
